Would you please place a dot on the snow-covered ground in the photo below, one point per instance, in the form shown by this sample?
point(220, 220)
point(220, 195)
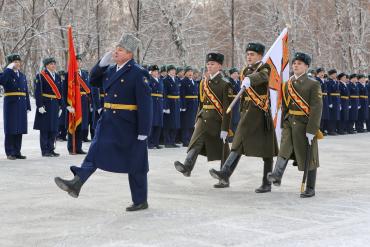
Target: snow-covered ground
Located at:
point(186, 211)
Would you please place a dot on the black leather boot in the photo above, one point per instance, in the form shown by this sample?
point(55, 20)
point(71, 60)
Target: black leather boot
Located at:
point(73, 186)
point(136, 207)
point(189, 163)
point(267, 168)
point(227, 169)
point(277, 174)
point(310, 187)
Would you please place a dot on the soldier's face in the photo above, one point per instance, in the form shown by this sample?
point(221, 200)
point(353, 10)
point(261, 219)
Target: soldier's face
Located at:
point(155, 73)
point(253, 57)
point(299, 67)
point(189, 74)
point(321, 74)
point(180, 74)
point(121, 55)
point(213, 67)
point(51, 67)
point(354, 80)
point(17, 65)
point(235, 76)
point(172, 73)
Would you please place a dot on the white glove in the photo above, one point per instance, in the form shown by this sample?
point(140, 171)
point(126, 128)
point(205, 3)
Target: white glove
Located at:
point(106, 60)
point(246, 83)
point(99, 110)
point(141, 137)
point(340, 107)
point(183, 109)
point(331, 106)
point(167, 111)
point(42, 110)
point(349, 107)
point(91, 109)
point(60, 112)
point(223, 136)
point(11, 66)
point(70, 109)
point(359, 107)
point(310, 137)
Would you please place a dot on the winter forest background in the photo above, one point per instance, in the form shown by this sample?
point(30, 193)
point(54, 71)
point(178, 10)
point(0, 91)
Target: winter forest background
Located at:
point(335, 32)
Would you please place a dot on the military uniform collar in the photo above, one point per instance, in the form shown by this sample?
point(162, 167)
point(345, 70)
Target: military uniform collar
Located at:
point(214, 76)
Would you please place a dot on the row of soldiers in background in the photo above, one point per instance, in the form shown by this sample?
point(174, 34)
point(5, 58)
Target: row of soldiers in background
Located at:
point(175, 94)
point(346, 108)
point(51, 103)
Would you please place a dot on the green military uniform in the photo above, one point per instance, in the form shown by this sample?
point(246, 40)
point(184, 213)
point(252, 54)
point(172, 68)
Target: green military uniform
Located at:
point(295, 124)
point(209, 123)
point(252, 136)
point(212, 122)
point(301, 116)
point(255, 135)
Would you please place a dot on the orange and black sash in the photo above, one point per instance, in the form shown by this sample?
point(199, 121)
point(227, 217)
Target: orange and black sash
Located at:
point(212, 97)
point(83, 84)
point(262, 104)
point(51, 84)
point(298, 99)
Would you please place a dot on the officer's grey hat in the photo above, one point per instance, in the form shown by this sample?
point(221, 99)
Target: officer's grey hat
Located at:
point(129, 42)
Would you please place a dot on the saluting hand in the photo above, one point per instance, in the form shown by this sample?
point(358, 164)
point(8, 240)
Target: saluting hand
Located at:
point(11, 66)
point(106, 60)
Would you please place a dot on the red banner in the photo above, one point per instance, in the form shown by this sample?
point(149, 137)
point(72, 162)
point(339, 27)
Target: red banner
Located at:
point(74, 95)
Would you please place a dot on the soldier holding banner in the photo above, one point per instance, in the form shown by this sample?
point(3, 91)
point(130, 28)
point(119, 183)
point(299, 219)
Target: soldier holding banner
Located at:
point(301, 115)
point(255, 135)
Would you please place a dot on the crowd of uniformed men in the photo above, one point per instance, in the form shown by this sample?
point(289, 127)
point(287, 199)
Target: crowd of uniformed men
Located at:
point(175, 94)
point(130, 108)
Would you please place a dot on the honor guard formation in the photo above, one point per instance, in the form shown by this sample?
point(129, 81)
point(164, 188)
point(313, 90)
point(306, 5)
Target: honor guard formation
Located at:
point(127, 109)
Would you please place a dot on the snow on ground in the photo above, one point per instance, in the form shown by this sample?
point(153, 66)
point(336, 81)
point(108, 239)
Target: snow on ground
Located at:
point(186, 211)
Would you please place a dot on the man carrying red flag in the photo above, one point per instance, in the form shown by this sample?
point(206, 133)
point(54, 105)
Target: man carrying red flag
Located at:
point(82, 78)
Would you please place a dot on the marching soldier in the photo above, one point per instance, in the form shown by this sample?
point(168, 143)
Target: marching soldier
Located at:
point(189, 105)
point(16, 105)
point(344, 104)
point(255, 135)
point(235, 85)
point(301, 115)
point(212, 123)
point(171, 117)
point(334, 102)
point(325, 100)
point(62, 130)
point(363, 104)
point(156, 84)
point(120, 143)
point(353, 103)
point(48, 96)
point(84, 80)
